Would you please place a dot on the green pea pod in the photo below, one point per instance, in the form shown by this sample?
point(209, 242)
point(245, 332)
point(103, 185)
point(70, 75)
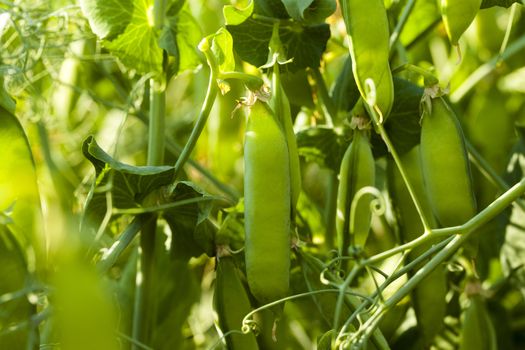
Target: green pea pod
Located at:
point(477, 329)
point(232, 305)
point(281, 107)
point(446, 169)
point(367, 28)
point(266, 205)
point(357, 171)
point(429, 297)
point(457, 16)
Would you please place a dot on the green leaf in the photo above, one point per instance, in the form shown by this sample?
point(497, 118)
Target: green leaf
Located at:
point(321, 145)
point(107, 18)
point(130, 184)
point(311, 11)
point(303, 44)
point(180, 38)
point(192, 233)
point(222, 49)
point(296, 8)
point(137, 46)
point(234, 16)
point(402, 125)
point(319, 10)
point(19, 196)
point(270, 8)
point(502, 3)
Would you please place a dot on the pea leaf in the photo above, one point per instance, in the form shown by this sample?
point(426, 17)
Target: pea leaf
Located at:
point(402, 126)
point(311, 11)
point(130, 184)
point(296, 8)
point(322, 145)
point(192, 233)
point(234, 16)
point(107, 18)
point(180, 37)
point(137, 46)
point(303, 44)
point(222, 49)
point(271, 8)
point(503, 3)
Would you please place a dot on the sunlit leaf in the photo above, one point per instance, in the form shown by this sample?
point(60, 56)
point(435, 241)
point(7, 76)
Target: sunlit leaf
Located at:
point(233, 15)
point(137, 46)
point(108, 18)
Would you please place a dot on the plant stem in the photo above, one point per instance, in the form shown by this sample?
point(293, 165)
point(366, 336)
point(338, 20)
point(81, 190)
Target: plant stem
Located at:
point(399, 165)
point(125, 239)
point(156, 123)
point(211, 94)
point(484, 70)
point(401, 24)
point(464, 232)
point(144, 310)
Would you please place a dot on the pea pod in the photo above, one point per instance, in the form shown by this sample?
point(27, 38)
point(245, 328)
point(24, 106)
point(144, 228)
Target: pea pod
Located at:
point(367, 28)
point(357, 171)
point(232, 304)
point(429, 297)
point(477, 328)
point(445, 165)
point(457, 16)
point(266, 205)
point(281, 107)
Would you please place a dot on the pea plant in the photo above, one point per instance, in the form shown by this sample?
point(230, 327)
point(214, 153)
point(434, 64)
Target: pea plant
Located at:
point(262, 174)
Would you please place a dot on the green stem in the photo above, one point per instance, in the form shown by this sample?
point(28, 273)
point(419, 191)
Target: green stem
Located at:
point(252, 82)
point(156, 123)
point(399, 165)
point(144, 310)
point(464, 232)
point(211, 94)
point(394, 37)
point(505, 42)
point(125, 239)
point(487, 68)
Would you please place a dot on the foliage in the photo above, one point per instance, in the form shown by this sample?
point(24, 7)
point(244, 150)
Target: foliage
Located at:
point(122, 175)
